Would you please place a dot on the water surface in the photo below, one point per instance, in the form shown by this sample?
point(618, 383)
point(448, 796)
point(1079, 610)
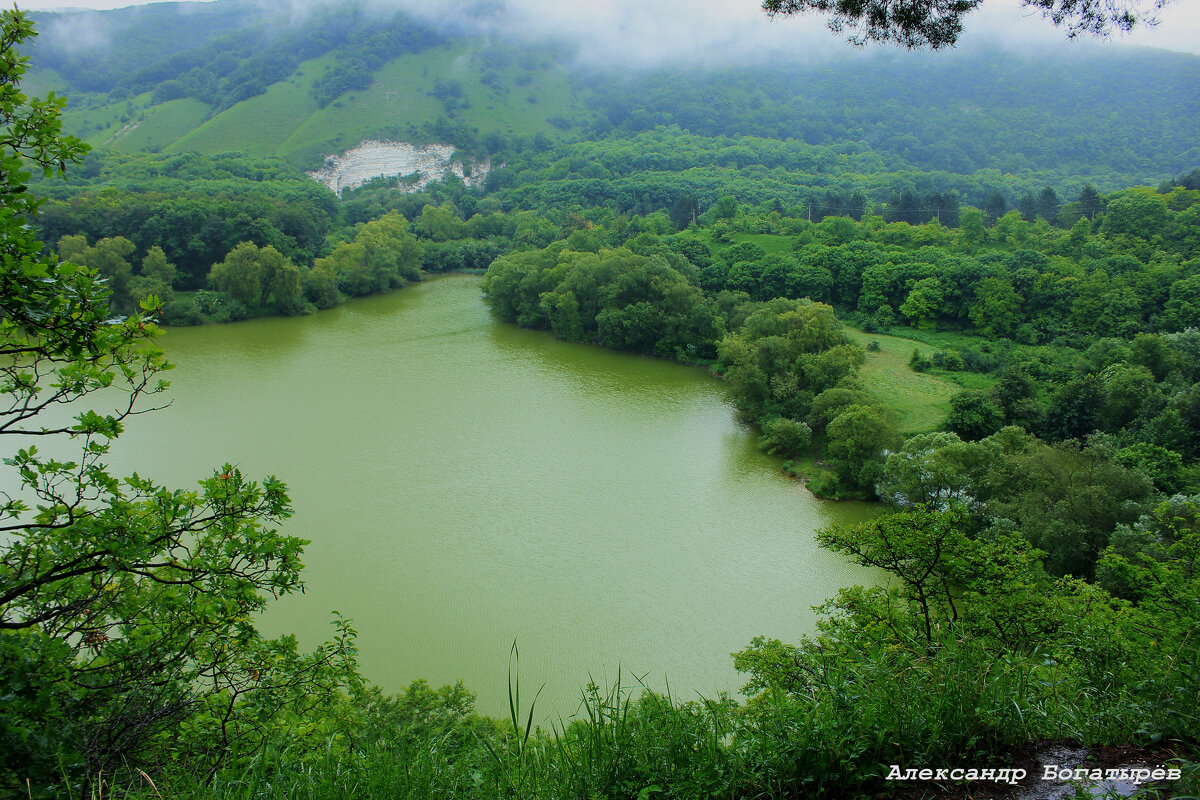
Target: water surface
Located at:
point(466, 484)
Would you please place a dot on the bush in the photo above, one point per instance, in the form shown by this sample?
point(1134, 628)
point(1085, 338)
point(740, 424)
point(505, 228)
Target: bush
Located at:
point(785, 436)
point(950, 361)
point(975, 361)
point(182, 312)
point(918, 362)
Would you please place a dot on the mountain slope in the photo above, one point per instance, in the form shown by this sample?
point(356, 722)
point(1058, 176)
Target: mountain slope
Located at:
point(252, 76)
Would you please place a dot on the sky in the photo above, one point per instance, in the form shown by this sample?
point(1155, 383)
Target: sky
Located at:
point(688, 29)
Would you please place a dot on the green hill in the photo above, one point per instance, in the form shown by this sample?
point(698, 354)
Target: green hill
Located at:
point(244, 89)
point(241, 75)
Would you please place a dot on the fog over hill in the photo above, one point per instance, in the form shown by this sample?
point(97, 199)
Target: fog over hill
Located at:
point(310, 80)
point(706, 30)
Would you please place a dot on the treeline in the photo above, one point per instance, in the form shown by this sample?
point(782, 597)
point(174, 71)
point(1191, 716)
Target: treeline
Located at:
point(790, 367)
point(1080, 332)
point(250, 280)
point(1082, 337)
point(644, 172)
point(195, 231)
point(1129, 268)
point(195, 208)
point(956, 113)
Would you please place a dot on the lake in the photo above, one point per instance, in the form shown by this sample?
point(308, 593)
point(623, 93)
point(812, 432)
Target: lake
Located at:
point(467, 484)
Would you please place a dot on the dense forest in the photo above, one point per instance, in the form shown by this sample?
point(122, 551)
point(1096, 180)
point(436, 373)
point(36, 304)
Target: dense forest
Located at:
point(776, 226)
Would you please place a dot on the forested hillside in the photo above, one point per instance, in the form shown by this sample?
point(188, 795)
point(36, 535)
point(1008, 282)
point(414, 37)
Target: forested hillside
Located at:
point(246, 76)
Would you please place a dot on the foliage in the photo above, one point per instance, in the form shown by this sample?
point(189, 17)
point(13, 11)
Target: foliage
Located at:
point(259, 278)
point(973, 416)
point(939, 24)
point(857, 441)
point(712, 217)
point(1066, 499)
point(621, 298)
point(125, 607)
point(785, 436)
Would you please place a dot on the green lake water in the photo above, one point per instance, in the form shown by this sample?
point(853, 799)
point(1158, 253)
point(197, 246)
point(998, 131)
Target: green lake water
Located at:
point(466, 484)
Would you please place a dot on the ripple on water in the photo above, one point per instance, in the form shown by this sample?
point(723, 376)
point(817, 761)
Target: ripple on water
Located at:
point(465, 483)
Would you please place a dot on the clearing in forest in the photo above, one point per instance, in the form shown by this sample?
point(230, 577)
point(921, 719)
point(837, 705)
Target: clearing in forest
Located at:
point(921, 399)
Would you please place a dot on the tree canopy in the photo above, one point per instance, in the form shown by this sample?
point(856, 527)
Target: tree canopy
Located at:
point(126, 607)
point(938, 23)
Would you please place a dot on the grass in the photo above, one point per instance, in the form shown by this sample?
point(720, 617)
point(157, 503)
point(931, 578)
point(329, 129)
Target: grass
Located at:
point(98, 125)
point(942, 340)
point(921, 398)
point(400, 96)
point(286, 120)
point(162, 125)
point(262, 124)
point(773, 244)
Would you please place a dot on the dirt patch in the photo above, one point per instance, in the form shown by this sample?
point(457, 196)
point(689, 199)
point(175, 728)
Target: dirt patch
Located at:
point(373, 159)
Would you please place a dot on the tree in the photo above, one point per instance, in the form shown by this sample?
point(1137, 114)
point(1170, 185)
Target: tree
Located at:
point(764, 361)
point(725, 208)
point(1075, 409)
point(1135, 213)
point(785, 436)
point(971, 227)
point(997, 307)
point(995, 205)
point(973, 416)
point(685, 210)
point(933, 469)
point(280, 282)
point(1090, 202)
point(439, 223)
point(156, 278)
point(1027, 204)
point(1126, 388)
point(938, 23)
point(922, 547)
point(857, 441)
point(126, 607)
point(110, 257)
point(259, 279)
point(1048, 205)
point(239, 275)
point(923, 303)
point(1183, 309)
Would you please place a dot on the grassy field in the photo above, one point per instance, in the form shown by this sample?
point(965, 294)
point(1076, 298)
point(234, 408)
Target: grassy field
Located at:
point(261, 124)
point(286, 120)
point(400, 96)
point(99, 124)
point(921, 398)
point(942, 340)
point(162, 124)
point(774, 244)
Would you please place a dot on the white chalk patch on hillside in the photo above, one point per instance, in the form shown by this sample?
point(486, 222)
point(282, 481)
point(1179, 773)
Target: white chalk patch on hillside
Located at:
point(373, 159)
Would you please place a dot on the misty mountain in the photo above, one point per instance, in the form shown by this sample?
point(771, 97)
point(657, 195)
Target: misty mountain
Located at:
point(305, 82)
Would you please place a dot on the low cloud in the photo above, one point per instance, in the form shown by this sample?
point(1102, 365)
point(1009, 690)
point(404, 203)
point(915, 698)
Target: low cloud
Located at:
point(689, 33)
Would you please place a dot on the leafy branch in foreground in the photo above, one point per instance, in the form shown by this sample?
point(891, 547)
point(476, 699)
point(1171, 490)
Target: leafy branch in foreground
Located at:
point(126, 608)
point(938, 23)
